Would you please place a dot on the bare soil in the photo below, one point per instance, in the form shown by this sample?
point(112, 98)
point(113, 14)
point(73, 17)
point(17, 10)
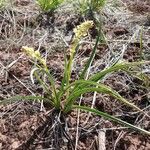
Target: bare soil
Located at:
point(25, 125)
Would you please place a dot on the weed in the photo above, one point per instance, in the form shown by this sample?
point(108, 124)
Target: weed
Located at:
point(89, 7)
point(49, 5)
point(64, 97)
point(2, 3)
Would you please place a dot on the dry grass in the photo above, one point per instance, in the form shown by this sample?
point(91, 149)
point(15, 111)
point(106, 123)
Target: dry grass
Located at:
point(122, 28)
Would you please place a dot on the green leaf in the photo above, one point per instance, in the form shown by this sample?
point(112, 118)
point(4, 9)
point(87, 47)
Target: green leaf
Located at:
point(119, 66)
point(27, 98)
point(116, 67)
point(42, 83)
point(54, 97)
point(90, 60)
point(98, 87)
point(111, 118)
point(49, 5)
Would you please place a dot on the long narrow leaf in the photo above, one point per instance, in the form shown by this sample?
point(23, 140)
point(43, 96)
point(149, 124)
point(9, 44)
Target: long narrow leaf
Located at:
point(65, 72)
point(29, 98)
point(51, 80)
point(115, 68)
point(101, 88)
point(90, 60)
point(119, 66)
point(111, 118)
point(42, 83)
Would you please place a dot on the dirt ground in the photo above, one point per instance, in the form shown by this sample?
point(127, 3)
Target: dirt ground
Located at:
point(26, 125)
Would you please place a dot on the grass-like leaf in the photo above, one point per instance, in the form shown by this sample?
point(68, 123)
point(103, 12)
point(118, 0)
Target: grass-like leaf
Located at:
point(116, 67)
point(25, 98)
point(47, 89)
point(112, 118)
point(98, 87)
point(49, 5)
point(90, 60)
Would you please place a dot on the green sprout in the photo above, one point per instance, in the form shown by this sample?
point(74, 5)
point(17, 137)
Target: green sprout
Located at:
point(86, 7)
point(49, 5)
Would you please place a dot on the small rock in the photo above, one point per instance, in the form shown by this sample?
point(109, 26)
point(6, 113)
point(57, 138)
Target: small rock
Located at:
point(15, 144)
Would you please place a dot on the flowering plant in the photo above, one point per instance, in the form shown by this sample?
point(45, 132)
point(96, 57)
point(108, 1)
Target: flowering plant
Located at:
point(49, 5)
point(63, 98)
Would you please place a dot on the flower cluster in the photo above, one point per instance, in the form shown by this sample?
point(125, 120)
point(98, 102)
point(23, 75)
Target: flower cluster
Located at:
point(34, 54)
point(81, 30)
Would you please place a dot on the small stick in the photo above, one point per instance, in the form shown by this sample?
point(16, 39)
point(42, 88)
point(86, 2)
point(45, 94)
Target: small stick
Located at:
point(101, 139)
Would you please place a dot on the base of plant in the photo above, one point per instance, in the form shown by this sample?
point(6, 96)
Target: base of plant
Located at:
point(51, 133)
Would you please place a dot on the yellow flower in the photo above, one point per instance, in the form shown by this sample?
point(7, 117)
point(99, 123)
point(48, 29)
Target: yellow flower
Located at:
point(82, 29)
point(34, 54)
